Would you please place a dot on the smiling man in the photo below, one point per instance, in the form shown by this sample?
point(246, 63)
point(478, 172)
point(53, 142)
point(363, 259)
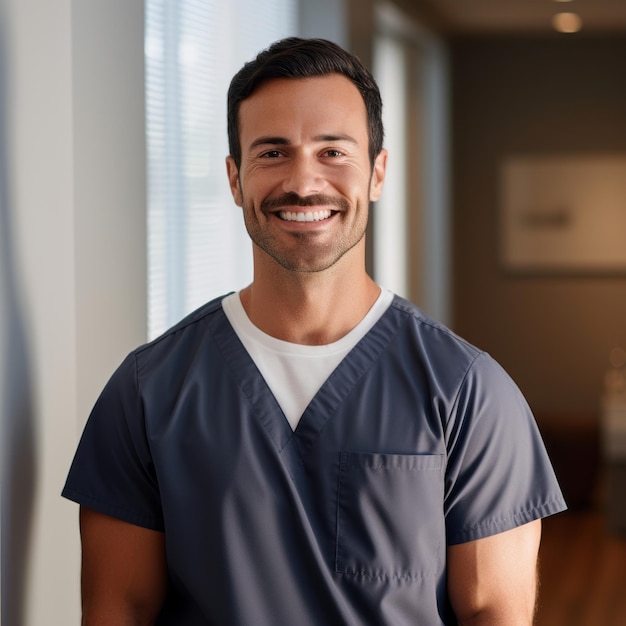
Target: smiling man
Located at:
point(312, 450)
point(305, 189)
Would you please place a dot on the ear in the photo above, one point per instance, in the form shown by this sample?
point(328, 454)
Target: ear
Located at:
point(233, 180)
point(378, 175)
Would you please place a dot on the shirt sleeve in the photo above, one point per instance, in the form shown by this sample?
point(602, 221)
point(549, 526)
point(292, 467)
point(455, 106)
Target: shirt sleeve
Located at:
point(498, 475)
point(112, 471)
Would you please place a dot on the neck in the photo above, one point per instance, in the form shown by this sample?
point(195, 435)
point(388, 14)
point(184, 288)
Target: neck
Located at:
point(310, 309)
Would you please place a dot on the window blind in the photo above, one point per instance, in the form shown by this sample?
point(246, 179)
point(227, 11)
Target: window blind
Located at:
point(197, 245)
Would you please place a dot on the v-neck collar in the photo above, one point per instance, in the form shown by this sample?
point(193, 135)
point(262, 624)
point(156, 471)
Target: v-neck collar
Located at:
point(328, 398)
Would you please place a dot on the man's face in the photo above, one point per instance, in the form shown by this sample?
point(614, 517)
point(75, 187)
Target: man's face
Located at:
point(305, 179)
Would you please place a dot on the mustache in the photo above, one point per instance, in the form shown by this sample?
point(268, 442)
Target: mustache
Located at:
point(293, 199)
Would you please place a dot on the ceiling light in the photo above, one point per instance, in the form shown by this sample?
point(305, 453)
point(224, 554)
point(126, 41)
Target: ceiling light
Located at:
point(567, 22)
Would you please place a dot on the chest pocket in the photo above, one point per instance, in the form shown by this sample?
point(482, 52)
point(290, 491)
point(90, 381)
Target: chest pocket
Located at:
point(390, 521)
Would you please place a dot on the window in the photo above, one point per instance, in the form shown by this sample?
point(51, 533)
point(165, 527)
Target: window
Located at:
point(197, 245)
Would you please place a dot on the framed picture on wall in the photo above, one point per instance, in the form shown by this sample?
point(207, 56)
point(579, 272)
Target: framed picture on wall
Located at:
point(563, 213)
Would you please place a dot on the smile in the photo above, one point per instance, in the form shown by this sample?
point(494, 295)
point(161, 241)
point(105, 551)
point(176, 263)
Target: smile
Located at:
point(302, 216)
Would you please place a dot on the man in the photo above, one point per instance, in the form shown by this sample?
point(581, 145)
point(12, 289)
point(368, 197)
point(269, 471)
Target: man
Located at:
point(312, 450)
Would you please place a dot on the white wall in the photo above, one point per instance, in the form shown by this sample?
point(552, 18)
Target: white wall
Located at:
point(72, 268)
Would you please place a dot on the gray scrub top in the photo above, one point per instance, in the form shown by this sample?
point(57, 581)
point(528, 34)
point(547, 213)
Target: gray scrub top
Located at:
point(417, 440)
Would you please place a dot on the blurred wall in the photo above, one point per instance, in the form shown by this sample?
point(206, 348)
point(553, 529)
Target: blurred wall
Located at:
point(72, 273)
point(324, 18)
point(558, 94)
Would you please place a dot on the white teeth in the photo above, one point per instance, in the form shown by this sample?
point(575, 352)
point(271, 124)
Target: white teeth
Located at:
point(300, 216)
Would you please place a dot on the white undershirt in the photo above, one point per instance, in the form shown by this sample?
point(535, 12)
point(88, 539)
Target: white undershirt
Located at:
point(295, 372)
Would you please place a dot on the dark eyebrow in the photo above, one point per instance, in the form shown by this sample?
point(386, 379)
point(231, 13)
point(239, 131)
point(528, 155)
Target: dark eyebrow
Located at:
point(269, 141)
point(335, 138)
point(282, 141)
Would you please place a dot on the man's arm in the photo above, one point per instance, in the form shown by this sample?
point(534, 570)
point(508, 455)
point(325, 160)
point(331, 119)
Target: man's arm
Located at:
point(494, 580)
point(124, 572)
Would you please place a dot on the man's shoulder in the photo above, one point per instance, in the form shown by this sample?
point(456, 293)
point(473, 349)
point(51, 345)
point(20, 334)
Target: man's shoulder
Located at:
point(183, 335)
point(449, 357)
point(433, 335)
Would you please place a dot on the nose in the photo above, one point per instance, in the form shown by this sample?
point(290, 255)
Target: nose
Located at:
point(303, 176)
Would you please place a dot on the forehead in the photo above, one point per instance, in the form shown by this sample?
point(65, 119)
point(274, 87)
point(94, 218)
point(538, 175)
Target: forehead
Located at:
point(319, 104)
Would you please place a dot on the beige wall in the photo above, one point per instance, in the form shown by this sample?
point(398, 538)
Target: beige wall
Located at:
point(527, 96)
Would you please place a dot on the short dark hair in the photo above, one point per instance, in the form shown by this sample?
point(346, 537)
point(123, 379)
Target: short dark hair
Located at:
point(294, 57)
